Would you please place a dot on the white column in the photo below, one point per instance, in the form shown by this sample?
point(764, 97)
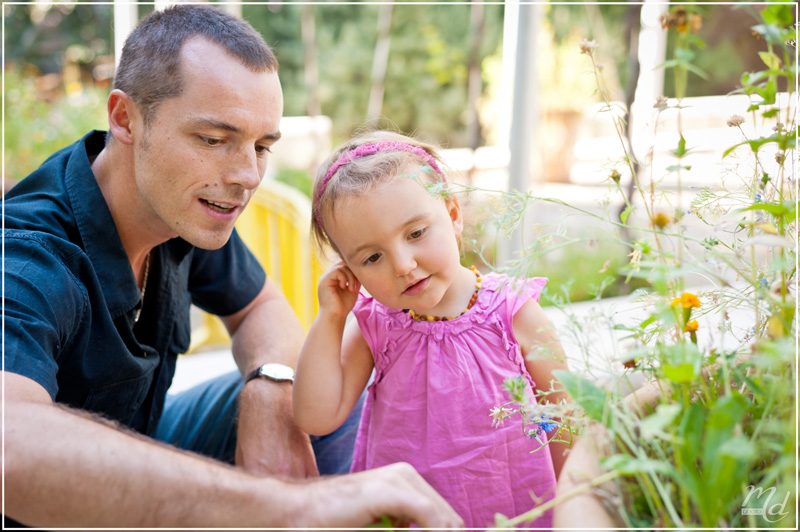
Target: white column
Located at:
point(125, 18)
point(652, 53)
point(510, 18)
point(523, 121)
point(232, 7)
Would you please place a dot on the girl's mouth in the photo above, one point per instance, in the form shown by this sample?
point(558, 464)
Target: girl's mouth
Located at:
point(416, 287)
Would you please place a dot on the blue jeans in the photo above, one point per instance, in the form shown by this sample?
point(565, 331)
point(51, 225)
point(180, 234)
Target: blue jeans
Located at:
point(203, 419)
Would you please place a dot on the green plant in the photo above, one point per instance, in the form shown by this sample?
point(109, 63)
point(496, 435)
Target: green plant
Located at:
point(719, 431)
point(36, 128)
point(298, 179)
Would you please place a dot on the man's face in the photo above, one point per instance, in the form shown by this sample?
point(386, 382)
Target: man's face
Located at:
point(204, 153)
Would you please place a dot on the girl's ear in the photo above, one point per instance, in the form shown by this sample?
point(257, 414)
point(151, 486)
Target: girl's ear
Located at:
point(454, 210)
point(121, 113)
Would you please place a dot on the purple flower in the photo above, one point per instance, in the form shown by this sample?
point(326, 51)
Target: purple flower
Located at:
point(541, 425)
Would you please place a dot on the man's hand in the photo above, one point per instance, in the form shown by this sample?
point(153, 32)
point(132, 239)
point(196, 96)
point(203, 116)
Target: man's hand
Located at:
point(361, 499)
point(268, 440)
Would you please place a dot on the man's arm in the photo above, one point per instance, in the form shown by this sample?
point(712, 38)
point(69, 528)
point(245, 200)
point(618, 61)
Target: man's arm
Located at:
point(268, 439)
point(64, 468)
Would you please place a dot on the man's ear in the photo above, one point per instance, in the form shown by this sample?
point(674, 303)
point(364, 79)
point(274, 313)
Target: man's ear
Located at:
point(123, 115)
point(454, 209)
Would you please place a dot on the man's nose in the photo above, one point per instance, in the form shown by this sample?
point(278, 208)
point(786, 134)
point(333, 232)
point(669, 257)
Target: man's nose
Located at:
point(245, 169)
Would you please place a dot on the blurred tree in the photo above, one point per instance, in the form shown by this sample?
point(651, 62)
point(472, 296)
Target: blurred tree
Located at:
point(47, 36)
point(425, 86)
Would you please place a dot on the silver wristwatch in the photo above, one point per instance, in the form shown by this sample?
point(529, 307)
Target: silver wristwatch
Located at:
point(274, 372)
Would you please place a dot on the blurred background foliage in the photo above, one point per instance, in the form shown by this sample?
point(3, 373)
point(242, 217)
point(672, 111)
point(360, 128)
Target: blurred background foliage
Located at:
point(58, 61)
point(59, 67)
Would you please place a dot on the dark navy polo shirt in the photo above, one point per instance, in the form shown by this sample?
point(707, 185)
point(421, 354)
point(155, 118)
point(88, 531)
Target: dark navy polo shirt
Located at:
point(71, 296)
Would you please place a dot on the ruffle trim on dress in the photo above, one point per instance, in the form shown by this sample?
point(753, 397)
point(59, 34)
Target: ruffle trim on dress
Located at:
point(486, 311)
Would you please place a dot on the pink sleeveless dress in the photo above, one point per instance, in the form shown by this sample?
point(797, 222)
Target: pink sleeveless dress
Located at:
point(429, 404)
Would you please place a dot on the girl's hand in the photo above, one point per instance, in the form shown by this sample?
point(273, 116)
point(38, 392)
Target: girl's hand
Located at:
point(338, 290)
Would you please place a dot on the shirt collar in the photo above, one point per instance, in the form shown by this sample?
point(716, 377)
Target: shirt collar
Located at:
point(98, 231)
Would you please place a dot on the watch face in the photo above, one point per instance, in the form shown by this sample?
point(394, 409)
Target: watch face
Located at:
point(277, 372)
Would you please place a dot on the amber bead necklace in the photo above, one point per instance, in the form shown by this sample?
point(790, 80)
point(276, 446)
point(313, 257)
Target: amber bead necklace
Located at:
point(425, 317)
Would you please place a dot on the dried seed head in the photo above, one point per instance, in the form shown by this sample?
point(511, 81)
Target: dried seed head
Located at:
point(735, 121)
point(587, 47)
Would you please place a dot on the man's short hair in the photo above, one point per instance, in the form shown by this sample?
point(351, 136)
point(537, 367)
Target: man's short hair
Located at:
point(149, 68)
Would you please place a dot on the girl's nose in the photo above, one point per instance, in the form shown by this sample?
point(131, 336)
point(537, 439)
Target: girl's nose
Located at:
point(404, 264)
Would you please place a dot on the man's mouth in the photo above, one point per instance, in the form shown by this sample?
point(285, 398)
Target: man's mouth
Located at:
point(219, 207)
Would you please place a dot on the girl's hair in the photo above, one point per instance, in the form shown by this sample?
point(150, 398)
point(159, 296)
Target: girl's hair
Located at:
point(361, 163)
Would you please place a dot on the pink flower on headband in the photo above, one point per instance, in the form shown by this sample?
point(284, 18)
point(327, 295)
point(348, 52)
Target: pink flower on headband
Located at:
point(371, 149)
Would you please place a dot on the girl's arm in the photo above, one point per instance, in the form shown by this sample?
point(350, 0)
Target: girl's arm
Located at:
point(543, 354)
point(335, 362)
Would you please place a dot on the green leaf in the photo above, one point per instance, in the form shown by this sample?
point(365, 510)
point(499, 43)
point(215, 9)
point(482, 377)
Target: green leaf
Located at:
point(681, 150)
point(697, 71)
point(772, 113)
point(778, 14)
point(768, 92)
point(755, 144)
point(681, 362)
point(628, 465)
point(738, 447)
point(786, 210)
point(627, 212)
point(659, 420)
point(591, 398)
point(772, 61)
point(676, 167)
point(691, 428)
point(725, 415)
point(679, 373)
point(771, 33)
point(684, 55)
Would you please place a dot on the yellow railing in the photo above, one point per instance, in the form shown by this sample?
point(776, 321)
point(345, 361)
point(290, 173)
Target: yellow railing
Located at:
point(275, 227)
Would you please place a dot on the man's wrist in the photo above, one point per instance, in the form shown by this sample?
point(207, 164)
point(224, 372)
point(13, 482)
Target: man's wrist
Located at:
point(272, 371)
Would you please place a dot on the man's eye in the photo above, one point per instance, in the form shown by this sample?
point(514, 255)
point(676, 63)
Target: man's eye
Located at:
point(211, 141)
point(263, 150)
point(373, 258)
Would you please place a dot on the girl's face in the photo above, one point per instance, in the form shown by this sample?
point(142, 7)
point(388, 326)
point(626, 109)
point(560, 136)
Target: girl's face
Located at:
point(401, 244)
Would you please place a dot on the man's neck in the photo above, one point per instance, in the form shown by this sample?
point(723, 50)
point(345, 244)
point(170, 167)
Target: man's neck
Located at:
point(113, 170)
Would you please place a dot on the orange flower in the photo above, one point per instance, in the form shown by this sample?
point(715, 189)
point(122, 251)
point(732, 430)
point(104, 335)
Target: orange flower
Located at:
point(691, 326)
point(661, 220)
point(687, 300)
point(695, 23)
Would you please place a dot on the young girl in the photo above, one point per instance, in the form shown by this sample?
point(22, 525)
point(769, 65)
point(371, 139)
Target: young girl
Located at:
point(441, 337)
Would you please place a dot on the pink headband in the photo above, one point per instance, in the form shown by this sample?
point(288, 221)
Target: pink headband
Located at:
point(370, 149)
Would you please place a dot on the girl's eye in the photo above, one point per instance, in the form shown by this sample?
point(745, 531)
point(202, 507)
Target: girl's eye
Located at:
point(416, 234)
point(373, 258)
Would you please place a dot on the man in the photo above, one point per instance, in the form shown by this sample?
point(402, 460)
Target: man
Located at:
point(106, 246)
